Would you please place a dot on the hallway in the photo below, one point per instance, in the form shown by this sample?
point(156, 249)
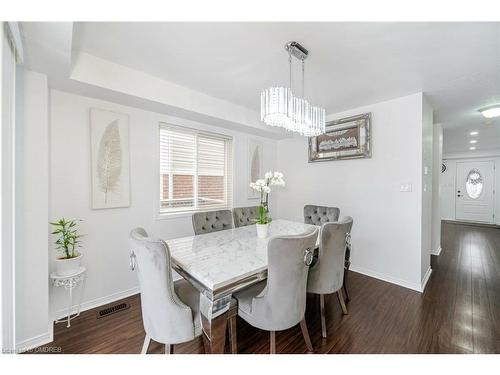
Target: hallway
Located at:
point(465, 290)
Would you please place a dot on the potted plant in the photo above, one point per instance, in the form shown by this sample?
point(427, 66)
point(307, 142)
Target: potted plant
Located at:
point(264, 187)
point(67, 243)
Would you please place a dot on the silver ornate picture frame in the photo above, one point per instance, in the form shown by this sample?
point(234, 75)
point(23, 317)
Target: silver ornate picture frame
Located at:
point(347, 138)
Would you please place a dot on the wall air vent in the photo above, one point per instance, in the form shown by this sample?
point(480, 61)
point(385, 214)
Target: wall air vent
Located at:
point(112, 309)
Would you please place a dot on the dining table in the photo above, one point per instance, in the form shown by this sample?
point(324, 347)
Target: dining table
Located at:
point(220, 263)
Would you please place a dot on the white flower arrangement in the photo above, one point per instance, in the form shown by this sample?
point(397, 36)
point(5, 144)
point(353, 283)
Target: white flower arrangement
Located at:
point(263, 186)
point(270, 179)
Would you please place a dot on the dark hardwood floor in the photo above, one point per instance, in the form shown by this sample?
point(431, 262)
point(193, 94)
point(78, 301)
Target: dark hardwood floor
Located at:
point(458, 313)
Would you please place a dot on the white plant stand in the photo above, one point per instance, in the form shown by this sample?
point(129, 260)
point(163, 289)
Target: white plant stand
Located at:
point(69, 283)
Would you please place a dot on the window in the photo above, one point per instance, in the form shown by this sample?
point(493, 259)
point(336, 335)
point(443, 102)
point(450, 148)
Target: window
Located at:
point(195, 170)
point(474, 184)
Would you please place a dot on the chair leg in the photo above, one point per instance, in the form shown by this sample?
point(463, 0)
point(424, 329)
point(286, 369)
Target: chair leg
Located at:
point(305, 333)
point(145, 346)
point(322, 311)
point(346, 291)
point(341, 301)
point(232, 335)
point(169, 348)
point(273, 343)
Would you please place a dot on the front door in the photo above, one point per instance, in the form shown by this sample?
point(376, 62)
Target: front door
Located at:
point(475, 191)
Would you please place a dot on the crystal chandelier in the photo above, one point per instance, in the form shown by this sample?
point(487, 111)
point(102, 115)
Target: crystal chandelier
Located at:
point(280, 107)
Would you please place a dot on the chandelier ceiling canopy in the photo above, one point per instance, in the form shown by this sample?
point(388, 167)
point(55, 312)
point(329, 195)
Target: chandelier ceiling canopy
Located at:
point(280, 107)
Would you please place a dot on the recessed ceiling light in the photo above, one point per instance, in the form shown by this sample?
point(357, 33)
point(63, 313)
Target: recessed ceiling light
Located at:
point(491, 111)
point(473, 141)
point(472, 148)
point(474, 133)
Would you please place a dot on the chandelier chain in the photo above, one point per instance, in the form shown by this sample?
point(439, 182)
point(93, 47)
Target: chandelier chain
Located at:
point(303, 73)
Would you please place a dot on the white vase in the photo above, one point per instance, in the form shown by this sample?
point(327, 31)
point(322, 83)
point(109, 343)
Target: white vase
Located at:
point(67, 267)
point(262, 230)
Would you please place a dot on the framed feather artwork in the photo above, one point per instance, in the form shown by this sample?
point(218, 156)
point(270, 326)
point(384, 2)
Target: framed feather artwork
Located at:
point(255, 162)
point(109, 142)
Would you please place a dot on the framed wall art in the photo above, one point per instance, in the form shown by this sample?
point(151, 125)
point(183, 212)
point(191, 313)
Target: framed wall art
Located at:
point(347, 138)
point(255, 166)
point(109, 142)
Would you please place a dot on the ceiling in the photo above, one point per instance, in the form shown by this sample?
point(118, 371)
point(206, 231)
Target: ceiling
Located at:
point(457, 64)
point(457, 139)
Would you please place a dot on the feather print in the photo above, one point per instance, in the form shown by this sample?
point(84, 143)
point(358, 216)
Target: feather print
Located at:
point(109, 160)
point(255, 165)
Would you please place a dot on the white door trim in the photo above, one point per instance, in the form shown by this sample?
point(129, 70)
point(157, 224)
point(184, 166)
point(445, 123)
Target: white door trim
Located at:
point(7, 187)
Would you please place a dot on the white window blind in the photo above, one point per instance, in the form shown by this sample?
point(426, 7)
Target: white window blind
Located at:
point(195, 170)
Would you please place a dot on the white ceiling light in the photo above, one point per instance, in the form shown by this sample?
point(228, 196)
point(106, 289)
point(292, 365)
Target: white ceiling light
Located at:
point(473, 141)
point(280, 107)
point(472, 148)
point(491, 111)
point(474, 133)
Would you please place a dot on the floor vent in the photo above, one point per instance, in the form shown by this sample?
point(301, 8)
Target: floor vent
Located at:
point(112, 309)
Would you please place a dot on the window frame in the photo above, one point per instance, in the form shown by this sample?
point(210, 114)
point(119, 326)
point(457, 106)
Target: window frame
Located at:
point(228, 176)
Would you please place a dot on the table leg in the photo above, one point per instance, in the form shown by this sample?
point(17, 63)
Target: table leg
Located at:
point(214, 316)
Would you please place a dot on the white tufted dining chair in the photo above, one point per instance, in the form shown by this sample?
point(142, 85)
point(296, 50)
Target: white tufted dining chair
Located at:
point(244, 216)
point(279, 302)
point(318, 215)
point(170, 311)
point(212, 221)
point(327, 275)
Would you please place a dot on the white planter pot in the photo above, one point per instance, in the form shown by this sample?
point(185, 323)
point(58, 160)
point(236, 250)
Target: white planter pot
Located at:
point(262, 230)
point(67, 267)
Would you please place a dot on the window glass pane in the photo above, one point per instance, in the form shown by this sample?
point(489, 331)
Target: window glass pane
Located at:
point(164, 186)
point(182, 154)
point(211, 171)
point(183, 190)
point(194, 170)
point(210, 190)
point(474, 184)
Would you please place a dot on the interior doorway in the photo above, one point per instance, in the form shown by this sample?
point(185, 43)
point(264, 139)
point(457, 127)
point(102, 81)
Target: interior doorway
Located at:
point(475, 189)
point(467, 190)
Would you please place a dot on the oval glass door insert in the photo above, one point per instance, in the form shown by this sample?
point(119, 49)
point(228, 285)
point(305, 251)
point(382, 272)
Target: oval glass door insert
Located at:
point(474, 184)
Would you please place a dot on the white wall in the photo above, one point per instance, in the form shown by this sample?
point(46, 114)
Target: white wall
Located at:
point(32, 210)
point(447, 190)
point(387, 223)
point(436, 175)
point(448, 181)
point(105, 247)
point(427, 174)
point(3, 285)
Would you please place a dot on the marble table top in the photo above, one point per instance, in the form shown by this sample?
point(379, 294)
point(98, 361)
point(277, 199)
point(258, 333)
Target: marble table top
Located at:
point(222, 258)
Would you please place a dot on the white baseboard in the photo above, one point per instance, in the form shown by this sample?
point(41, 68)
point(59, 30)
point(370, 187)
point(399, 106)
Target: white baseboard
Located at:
point(436, 252)
point(426, 278)
point(36, 341)
point(59, 314)
point(389, 279)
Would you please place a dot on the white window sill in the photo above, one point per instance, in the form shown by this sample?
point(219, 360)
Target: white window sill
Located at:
point(174, 215)
point(182, 214)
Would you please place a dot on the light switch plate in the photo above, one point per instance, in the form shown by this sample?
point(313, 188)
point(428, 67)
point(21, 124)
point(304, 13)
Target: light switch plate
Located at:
point(405, 187)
